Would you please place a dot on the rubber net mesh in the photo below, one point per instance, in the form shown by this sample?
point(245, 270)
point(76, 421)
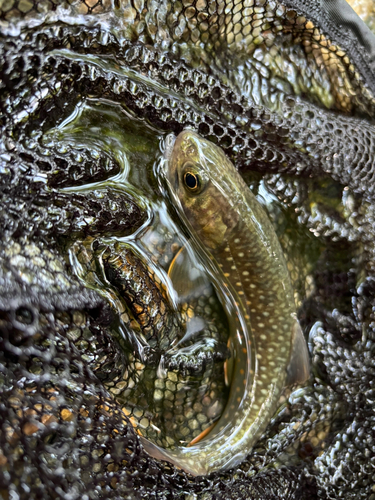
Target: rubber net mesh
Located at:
point(291, 107)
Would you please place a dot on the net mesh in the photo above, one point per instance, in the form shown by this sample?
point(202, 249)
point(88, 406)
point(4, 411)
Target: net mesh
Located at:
point(286, 103)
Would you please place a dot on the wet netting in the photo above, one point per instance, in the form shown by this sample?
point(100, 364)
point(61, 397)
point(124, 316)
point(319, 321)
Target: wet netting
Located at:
point(287, 90)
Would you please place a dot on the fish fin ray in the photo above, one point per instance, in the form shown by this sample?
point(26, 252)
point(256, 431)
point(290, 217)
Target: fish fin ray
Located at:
point(186, 277)
point(299, 366)
point(173, 456)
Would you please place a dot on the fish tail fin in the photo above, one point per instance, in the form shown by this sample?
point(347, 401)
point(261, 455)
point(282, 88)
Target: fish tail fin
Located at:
point(176, 457)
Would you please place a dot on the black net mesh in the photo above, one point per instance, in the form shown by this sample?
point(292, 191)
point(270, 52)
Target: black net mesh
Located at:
point(291, 101)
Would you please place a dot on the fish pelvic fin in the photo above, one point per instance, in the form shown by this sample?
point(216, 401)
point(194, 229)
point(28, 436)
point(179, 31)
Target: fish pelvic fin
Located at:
point(298, 370)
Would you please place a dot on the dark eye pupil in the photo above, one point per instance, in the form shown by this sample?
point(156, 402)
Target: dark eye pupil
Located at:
point(191, 180)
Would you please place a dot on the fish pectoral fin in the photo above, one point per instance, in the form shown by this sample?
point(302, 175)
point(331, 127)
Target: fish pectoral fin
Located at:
point(299, 366)
point(187, 279)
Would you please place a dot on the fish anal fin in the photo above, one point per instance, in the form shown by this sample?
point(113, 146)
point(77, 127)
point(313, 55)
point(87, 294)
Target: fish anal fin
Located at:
point(299, 366)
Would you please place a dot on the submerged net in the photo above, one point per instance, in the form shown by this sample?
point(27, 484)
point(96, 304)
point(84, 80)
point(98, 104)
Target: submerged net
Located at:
point(289, 96)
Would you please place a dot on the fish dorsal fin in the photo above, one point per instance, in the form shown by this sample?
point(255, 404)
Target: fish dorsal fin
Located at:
point(187, 276)
point(299, 366)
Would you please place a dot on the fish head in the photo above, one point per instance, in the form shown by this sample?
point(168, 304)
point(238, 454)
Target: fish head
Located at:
point(197, 173)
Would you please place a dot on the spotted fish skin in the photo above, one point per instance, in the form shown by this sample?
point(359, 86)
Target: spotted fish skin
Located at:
point(233, 232)
point(177, 406)
point(134, 291)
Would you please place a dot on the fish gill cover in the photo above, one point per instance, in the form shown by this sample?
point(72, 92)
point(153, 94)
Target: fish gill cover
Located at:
point(88, 92)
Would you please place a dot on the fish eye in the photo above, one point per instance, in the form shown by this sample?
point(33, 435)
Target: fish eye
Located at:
point(191, 181)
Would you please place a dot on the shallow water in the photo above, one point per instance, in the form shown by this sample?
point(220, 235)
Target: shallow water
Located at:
point(325, 230)
point(147, 388)
point(199, 326)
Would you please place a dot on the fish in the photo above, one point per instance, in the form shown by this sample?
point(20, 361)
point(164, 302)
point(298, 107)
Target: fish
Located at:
point(171, 383)
point(232, 233)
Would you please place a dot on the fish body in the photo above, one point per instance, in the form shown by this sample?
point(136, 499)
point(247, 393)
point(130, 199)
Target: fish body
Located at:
point(171, 384)
point(244, 258)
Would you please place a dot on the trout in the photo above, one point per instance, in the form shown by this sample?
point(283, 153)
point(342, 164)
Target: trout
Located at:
point(234, 236)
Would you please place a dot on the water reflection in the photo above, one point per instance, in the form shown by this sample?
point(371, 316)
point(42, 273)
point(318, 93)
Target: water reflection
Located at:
point(175, 384)
point(173, 387)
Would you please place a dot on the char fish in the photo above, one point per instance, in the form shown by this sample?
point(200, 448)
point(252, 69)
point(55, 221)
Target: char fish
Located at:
point(171, 381)
point(232, 233)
